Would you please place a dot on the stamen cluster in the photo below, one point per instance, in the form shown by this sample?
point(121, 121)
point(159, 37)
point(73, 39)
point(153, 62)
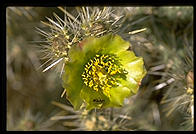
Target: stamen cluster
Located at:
point(102, 73)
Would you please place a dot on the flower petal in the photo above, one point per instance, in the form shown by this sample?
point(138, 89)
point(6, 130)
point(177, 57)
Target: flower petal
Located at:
point(93, 99)
point(136, 69)
point(76, 54)
point(134, 65)
point(116, 44)
point(118, 94)
point(73, 83)
point(131, 84)
point(107, 44)
point(126, 57)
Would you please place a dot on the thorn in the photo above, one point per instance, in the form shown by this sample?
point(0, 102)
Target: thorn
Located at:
point(137, 31)
point(53, 64)
point(64, 91)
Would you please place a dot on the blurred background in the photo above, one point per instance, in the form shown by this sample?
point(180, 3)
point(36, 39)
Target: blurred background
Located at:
point(164, 101)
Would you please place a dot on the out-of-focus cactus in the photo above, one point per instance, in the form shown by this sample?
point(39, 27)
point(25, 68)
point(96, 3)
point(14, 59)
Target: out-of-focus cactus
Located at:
point(165, 94)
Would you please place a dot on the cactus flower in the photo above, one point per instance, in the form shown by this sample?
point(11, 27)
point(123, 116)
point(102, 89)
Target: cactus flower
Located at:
point(102, 72)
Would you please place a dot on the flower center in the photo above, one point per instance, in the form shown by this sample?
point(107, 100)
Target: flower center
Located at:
point(102, 72)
